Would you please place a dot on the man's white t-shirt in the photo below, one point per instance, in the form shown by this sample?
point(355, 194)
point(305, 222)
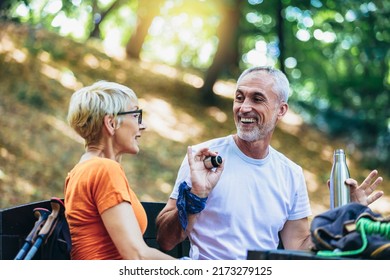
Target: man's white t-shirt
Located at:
point(249, 205)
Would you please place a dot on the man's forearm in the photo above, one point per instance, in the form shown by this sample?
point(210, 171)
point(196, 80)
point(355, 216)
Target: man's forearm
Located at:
point(169, 231)
point(307, 244)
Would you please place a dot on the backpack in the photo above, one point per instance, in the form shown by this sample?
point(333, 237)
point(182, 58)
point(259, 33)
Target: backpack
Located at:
point(58, 244)
point(352, 231)
point(50, 236)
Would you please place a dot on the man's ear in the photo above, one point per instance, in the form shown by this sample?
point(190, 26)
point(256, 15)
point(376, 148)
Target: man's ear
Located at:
point(283, 108)
point(109, 124)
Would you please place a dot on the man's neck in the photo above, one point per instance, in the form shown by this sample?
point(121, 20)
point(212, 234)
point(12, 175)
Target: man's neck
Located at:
point(258, 149)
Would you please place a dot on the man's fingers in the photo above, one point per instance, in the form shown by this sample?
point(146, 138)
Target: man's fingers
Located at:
point(200, 155)
point(367, 186)
point(369, 178)
point(352, 183)
point(372, 187)
point(374, 197)
point(189, 155)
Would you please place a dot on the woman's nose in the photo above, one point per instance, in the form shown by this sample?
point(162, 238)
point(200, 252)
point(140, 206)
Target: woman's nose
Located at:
point(142, 126)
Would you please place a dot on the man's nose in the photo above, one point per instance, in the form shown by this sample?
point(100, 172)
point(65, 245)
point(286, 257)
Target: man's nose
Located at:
point(245, 107)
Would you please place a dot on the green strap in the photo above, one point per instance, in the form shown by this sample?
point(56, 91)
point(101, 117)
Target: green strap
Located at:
point(364, 226)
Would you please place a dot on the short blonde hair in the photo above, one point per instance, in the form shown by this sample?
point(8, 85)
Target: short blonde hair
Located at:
point(90, 104)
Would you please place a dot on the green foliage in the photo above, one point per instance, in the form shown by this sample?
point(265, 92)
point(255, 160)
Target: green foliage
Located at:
point(346, 60)
point(339, 54)
point(32, 98)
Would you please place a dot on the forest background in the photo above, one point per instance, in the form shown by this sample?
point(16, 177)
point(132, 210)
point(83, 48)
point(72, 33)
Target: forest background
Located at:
point(182, 59)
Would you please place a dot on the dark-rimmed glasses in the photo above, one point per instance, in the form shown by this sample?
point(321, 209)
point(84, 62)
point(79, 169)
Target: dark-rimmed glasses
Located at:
point(139, 112)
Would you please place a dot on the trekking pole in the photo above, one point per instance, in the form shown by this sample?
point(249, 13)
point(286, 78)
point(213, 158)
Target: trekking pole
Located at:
point(41, 214)
point(57, 207)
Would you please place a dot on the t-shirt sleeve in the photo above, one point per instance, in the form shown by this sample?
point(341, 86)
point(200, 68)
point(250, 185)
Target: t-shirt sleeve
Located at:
point(301, 206)
point(112, 187)
point(183, 175)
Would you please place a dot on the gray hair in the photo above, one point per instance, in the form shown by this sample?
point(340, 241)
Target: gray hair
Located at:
point(90, 104)
point(281, 84)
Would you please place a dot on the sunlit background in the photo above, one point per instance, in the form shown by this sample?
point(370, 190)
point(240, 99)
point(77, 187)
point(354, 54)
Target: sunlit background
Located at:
point(336, 58)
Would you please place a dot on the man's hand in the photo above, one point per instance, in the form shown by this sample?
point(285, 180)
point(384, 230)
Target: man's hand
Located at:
point(364, 194)
point(203, 179)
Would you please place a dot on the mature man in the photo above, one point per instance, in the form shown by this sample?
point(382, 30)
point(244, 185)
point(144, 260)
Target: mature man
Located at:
point(261, 195)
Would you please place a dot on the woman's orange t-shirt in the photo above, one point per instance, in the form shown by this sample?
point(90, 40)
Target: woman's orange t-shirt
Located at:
point(92, 187)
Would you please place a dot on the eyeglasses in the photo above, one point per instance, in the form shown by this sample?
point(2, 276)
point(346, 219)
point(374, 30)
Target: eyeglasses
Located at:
point(139, 116)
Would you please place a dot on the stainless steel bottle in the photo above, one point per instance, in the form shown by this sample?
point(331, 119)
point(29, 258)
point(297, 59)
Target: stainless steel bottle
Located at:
point(339, 191)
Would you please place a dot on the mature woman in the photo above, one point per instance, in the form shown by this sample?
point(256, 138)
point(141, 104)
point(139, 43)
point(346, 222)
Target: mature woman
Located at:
point(105, 217)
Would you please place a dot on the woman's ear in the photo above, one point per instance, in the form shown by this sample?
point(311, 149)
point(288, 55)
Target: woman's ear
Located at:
point(109, 124)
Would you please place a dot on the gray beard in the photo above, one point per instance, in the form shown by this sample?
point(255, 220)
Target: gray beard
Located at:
point(258, 132)
point(249, 136)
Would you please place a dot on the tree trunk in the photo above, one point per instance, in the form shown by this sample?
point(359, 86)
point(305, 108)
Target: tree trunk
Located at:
point(147, 11)
point(227, 51)
point(280, 27)
point(95, 33)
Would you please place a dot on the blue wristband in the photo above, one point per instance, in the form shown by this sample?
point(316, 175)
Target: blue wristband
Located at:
point(188, 203)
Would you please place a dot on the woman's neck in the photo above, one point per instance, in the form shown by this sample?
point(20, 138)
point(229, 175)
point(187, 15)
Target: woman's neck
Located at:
point(92, 152)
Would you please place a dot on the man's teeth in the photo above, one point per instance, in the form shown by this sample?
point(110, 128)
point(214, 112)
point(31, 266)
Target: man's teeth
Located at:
point(248, 120)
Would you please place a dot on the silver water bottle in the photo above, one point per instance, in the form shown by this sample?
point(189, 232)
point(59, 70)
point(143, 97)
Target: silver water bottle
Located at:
point(339, 191)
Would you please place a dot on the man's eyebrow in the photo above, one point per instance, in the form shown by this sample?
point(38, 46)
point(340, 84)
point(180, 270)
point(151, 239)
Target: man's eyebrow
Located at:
point(238, 90)
point(260, 93)
point(255, 93)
